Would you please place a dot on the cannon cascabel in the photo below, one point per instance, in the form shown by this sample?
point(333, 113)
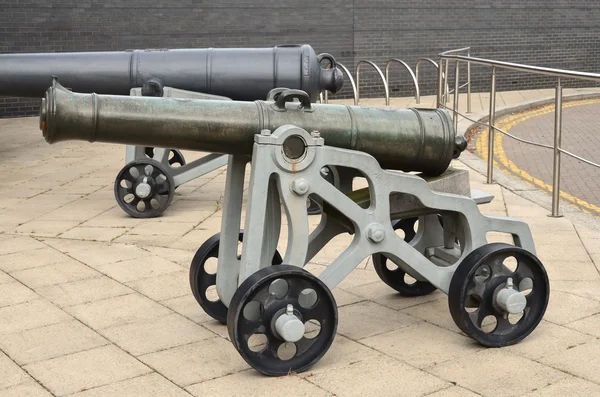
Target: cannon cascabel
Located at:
point(402, 139)
point(237, 73)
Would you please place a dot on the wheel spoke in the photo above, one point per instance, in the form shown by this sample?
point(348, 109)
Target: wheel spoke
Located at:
point(135, 202)
point(129, 178)
point(247, 327)
point(503, 325)
point(209, 279)
point(477, 289)
point(304, 344)
point(522, 273)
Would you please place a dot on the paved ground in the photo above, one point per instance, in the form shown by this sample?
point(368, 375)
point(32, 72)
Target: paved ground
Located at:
point(580, 182)
point(94, 303)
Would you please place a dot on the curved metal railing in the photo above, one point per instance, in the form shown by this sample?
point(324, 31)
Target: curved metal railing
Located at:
point(385, 85)
point(412, 75)
point(437, 67)
point(496, 65)
point(443, 71)
point(354, 86)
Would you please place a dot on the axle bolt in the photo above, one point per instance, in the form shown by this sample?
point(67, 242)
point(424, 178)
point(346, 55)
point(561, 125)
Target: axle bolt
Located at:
point(289, 327)
point(143, 190)
point(511, 300)
point(300, 186)
point(375, 233)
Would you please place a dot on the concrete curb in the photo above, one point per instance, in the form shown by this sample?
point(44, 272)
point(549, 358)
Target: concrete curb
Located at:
point(518, 186)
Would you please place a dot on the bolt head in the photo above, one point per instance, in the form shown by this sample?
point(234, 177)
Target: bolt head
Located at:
point(376, 233)
point(300, 186)
point(315, 134)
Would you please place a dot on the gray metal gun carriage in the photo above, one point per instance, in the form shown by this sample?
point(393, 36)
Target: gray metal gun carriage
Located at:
point(239, 73)
point(272, 300)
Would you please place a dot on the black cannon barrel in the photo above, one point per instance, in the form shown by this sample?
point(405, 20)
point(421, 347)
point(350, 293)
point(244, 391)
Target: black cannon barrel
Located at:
point(237, 73)
point(402, 139)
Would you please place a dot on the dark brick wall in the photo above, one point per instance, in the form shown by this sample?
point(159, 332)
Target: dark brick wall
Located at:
point(556, 33)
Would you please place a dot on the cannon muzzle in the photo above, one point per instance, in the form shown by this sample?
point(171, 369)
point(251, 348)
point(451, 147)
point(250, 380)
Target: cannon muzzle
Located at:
point(401, 139)
point(239, 73)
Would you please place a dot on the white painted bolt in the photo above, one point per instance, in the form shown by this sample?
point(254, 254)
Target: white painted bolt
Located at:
point(375, 233)
point(315, 134)
point(300, 186)
point(265, 132)
point(143, 190)
point(289, 327)
point(511, 300)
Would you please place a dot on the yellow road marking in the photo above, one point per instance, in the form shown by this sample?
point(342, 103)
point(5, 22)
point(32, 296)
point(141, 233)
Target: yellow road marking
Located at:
point(500, 157)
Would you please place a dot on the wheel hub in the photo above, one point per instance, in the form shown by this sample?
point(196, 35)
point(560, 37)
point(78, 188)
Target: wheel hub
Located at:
point(144, 189)
point(288, 326)
point(510, 300)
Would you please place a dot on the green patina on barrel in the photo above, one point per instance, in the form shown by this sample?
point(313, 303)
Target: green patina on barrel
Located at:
point(402, 139)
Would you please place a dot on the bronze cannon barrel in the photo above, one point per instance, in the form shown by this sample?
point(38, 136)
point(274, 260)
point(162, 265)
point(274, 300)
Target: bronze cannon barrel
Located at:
point(401, 139)
point(237, 73)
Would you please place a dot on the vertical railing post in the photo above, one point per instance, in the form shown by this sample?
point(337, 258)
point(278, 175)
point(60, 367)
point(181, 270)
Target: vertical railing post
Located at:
point(357, 99)
point(557, 143)
point(492, 120)
point(468, 83)
point(456, 94)
point(447, 88)
point(440, 92)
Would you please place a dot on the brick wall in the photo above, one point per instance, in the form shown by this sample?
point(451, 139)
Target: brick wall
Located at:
point(556, 33)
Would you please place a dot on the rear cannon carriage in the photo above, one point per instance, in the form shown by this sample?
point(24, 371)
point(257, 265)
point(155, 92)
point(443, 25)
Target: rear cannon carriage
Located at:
point(213, 73)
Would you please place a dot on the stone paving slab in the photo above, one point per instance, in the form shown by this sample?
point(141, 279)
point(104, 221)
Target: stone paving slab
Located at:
point(94, 303)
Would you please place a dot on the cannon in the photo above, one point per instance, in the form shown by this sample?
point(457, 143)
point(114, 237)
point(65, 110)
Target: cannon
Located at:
point(280, 317)
point(239, 73)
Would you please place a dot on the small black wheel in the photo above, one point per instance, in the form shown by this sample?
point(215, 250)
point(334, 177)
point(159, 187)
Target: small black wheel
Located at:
point(499, 294)
point(312, 208)
point(144, 189)
point(175, 156)
point(282, 319)
point(396, 277)
point(201, 279)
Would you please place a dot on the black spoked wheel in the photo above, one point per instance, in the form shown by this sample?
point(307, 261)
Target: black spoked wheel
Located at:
point(203, 277)
point(175, 158)
point(499, 294)
point(312, 208)
point(144, 189)
point(395, 277)
point(282, 319)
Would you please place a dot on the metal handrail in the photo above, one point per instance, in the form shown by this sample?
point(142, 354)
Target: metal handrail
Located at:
point(428, 60)
point(401, 62)
point(385, 86)
point(495, 65)
point(446, 94)
point(525, 68)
